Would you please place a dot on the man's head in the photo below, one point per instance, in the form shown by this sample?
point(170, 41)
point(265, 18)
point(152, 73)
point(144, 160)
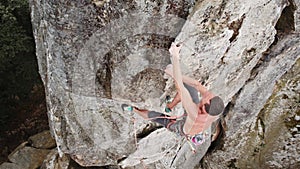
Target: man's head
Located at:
point(215, 107)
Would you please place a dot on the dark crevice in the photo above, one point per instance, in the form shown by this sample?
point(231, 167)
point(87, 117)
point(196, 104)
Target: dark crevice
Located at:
point(229, 107)
point(104, 76)
point(108, 76)
point(254, 72)
point(286, 23)
point(232, 164)
point(235, 26)
point(222, 62)
point(233, 100)
point(147, 130)
point(218, 144)
point(284, 26)
point(221, 8)
point(174, 158)
point(121, 159)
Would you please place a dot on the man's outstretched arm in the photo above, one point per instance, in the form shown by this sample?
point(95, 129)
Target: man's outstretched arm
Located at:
point(187, 102)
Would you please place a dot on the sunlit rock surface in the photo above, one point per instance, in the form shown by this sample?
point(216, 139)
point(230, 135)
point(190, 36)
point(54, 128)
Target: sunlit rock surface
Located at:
point(95, 55)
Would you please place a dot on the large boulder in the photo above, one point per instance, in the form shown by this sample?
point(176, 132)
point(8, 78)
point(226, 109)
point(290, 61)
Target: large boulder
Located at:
point(95, 55)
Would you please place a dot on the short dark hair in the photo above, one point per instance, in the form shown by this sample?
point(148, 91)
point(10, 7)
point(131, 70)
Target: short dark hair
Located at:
point(215, 107)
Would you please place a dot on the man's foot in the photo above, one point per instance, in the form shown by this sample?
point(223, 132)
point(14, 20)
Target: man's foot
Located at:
point(167, 110)
point(168, 100)
point(126, 107)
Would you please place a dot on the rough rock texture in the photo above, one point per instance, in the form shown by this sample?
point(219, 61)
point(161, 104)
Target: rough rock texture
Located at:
point(271, 139)
point(7, 165)
point(26, 157)
point(53, 161)
point(42, 140)
point(95, 55)
point(32, 153)
point(39, 152)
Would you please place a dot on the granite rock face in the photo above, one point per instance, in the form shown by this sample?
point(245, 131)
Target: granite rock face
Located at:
point(95, 55)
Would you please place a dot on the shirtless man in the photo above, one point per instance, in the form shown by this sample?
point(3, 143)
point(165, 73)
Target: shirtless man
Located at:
point(199, 114)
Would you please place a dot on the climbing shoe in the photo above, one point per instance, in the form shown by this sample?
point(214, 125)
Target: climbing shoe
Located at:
point(126, 107)
point(167, 110)
point(168, 100)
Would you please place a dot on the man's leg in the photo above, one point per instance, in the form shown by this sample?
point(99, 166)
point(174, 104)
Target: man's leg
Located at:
point(142, 112)
point(154, 116)
point(173, 125)
point(174, 102)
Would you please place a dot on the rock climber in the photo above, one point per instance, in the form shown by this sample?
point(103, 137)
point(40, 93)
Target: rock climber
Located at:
point(198, 116)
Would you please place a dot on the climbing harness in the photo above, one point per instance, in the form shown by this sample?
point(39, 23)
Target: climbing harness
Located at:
point(197, 140)
point(200, 138)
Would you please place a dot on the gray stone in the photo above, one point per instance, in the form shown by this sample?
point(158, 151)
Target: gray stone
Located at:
point(42, 140)
point(107, 60)
point(53, 161)
point(266, 141)
point(94, 56)
point(6, 165)
point(28, 157)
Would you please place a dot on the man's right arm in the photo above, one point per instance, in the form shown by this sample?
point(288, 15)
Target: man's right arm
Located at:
point(187, 101)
